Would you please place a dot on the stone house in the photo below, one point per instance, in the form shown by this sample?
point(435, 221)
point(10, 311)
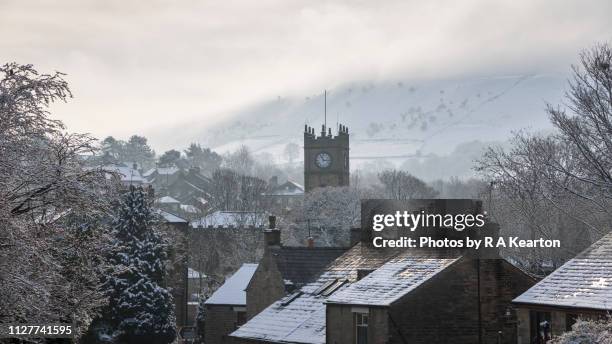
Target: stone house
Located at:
point(188, 186)
point(226, 307)
point(127, 174)
point(176, 229)
point(372, 295)
point(450, 299)
point(285, 196)
point(283, 270)
point(582, 287)
point(192, 187)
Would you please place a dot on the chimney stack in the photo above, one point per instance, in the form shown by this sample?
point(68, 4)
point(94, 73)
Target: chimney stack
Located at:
point(272, 235)
point(355, 237)
point(271, 222)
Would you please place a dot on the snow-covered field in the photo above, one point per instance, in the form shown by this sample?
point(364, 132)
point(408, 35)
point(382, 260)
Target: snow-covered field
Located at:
point(393, 121)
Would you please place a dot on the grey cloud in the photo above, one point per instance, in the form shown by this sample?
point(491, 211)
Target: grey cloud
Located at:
point(146, 64)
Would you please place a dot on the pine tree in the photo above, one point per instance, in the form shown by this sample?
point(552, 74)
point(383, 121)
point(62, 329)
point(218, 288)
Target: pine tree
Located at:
point(141, 309)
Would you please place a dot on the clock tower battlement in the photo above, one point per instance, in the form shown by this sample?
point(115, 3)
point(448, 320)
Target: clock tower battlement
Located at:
point(326, 157)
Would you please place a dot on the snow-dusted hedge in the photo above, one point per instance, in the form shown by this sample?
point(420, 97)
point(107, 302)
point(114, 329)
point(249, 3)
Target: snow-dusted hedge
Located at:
point(588, 332)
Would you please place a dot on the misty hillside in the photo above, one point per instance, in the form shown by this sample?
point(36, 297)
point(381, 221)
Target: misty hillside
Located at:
point(401, 122)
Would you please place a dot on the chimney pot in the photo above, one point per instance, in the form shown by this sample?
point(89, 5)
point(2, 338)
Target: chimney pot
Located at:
point(272, 222)
point(310, 242)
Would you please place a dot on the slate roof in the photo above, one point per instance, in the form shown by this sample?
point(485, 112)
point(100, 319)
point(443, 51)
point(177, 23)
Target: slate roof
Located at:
point(154, 172)
point(232, 292)
point(166, 170)
point(168, 200)
point(583, 282)
point(289, 188)
point(127, 174)
point(197, 180)
point(191, 273)
point(230, 218)
point(300, 318)
point(169, 217)
point(391, 281)
point(299, 265)
point(188, 208)
point(149, 172)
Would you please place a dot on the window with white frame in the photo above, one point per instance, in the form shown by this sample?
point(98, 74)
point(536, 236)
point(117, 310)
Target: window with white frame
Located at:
point(361, 328)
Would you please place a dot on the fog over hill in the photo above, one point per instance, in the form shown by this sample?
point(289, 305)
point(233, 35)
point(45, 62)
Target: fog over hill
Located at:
point(419, 125)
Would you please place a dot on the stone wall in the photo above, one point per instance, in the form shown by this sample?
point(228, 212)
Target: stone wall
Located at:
point(266, 286)
point(446, 306)
point(220, 322)
point(340, 324)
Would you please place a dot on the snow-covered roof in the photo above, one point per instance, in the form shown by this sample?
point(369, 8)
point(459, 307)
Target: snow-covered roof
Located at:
point(170, 218)
point(289, 188)
point(167, 170)
point(583, 282)
point(188, 208)
point(127, 174)
point(391, 281)
point(230, 218)
point(168, 200)
point(300, 318)
point(191, 273)
point(233, 292)
point(301, 265)
point(149, 172)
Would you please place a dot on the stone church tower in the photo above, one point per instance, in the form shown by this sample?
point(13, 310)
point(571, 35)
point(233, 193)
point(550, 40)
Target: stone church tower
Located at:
point(326, 158)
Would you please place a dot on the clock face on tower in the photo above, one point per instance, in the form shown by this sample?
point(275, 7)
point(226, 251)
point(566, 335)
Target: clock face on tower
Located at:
point(323, 160)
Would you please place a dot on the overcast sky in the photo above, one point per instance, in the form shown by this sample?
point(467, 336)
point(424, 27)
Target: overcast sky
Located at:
point(137, 65)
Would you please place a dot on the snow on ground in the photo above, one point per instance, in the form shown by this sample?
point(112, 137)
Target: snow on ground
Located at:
point(396, 121)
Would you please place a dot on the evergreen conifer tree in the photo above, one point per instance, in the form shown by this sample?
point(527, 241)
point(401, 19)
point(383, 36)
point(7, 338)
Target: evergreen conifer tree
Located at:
point(141, 309)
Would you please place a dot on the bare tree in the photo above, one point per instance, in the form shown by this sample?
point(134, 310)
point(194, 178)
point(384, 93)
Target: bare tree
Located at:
point(327, 215)
point(574, 164)
point(567, 173)
point(51, 236)
point(401, 185)
point(240, 161)
point(235, 192)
